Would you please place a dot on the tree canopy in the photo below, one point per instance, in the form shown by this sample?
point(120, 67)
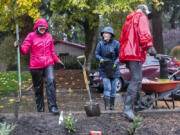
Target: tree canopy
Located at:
point(11, 12)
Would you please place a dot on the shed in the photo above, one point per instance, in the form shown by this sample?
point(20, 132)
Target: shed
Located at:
point(67, 48)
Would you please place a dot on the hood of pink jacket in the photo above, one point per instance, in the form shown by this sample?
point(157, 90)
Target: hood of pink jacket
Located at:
point(40, 22)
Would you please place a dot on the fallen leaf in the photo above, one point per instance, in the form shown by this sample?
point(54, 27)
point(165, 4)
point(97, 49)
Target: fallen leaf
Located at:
point(11, 100)
point(69, 90)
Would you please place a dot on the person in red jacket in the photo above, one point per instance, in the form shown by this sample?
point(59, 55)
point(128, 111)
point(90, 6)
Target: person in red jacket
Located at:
point(42, 58)
point(135, 41)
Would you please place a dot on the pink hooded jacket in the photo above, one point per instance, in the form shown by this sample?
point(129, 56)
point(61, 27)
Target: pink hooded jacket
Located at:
point(41, 48)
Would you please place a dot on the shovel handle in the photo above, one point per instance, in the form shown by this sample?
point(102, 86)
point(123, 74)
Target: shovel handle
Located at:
point(87, 86)
point(85, 79)
point(80, 57)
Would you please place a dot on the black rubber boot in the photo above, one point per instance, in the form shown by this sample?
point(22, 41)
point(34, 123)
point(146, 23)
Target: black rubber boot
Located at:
point(128, 109)
point(112, 100)
point(106, 102)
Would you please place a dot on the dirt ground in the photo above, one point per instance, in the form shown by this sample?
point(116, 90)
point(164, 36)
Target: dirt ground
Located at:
point(69, 79)
point(109, 123)
point(71, 97)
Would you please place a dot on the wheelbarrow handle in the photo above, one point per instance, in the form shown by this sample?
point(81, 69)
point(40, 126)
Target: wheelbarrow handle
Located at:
point(174, 74)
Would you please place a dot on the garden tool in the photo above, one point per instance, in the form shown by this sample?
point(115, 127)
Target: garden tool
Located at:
point(93, 108)
point(18, 58)
point(61, 118)
point(17, 102)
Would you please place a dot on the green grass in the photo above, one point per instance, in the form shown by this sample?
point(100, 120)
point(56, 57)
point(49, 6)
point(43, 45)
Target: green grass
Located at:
point(9, 81)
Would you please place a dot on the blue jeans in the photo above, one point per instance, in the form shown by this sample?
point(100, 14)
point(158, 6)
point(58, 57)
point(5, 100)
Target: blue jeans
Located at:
point(135, 84)
point(110, 87)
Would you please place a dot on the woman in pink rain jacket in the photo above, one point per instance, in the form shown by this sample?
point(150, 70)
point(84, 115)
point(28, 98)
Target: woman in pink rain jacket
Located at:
point(42, 58)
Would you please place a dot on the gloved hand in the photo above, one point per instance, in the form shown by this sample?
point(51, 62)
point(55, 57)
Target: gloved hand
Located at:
point(158, 56)
point(152, 51)
point(101, 61)
point(114, 66)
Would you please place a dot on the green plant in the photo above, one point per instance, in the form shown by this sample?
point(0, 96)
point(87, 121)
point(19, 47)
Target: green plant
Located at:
point(132, 128)
point(70, 122)
point(5, 128)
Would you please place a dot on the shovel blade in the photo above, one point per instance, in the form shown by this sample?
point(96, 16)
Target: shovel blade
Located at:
point(92, 110)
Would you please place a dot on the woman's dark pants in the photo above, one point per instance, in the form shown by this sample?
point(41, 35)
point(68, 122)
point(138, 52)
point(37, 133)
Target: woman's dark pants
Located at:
point(37, 78)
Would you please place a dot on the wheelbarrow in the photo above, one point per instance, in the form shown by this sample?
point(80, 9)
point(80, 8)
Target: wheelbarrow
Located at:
point(163, 91)
point(93, 108)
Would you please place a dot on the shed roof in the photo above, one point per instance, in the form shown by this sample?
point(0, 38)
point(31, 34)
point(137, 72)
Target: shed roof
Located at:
point(70, 44)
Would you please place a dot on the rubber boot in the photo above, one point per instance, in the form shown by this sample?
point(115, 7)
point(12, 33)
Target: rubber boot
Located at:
point(106, 102)
point(112, 100)
point(128, 109)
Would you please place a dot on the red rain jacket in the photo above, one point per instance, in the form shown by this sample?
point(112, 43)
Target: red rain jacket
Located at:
point(41, 48)
point(135, 38)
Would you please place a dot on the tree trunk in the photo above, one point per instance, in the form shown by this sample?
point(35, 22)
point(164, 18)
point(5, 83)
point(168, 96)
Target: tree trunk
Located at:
point(157, 31)
point(91, 37)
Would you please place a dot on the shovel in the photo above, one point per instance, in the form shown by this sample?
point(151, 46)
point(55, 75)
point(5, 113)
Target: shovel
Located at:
point(93, 108)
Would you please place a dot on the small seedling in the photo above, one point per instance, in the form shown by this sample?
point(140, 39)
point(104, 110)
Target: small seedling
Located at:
point(70, 122)
point(133, 127)
point(5, 128)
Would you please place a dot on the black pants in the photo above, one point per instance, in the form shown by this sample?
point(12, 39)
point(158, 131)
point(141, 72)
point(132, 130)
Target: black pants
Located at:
point(37, 78)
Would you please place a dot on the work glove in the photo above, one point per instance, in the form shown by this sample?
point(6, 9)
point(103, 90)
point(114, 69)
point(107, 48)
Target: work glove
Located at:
point(101, 61)
point(114, 66)
point(152, 51)
point(158, 56)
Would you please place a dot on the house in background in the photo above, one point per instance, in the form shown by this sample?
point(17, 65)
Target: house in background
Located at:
point(68, 51)
point(67, 48)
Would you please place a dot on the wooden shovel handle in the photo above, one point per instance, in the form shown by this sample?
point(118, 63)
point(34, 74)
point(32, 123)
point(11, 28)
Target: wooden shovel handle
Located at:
point(85, 79)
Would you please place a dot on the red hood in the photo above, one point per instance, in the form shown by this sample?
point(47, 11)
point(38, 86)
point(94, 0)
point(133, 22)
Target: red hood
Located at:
point(41, 22)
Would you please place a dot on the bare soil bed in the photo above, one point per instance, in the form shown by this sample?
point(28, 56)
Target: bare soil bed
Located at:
point(159, 123)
